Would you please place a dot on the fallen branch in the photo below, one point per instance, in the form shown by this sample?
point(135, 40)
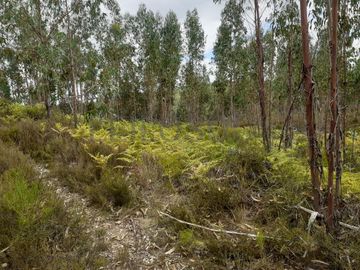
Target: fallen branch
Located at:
point(5, 249)
point(311, 212)
point(320, 262)
point(250, 235)
point(352, 227)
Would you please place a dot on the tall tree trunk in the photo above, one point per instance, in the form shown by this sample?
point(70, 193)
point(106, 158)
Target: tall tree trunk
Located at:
point(288, 116)
point(163, 116)
point(42, 79)
point(170, 105)
point(310, 115)
point(221, 109)
point(339, 140)
point(150, 85)
point(162, 100)
point(232, 111)
point(270, 87)
point(260, 54)
point(289, 129)
point(168, 98)
point(338, 157)
point(332, 142)
point(81, 97)
point(72, 67)
point(326, 117)
point(345, 38)
point(134, 101)
point(326, 101)
point(47, 104)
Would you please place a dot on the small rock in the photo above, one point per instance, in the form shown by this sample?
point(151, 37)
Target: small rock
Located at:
point(4, 265)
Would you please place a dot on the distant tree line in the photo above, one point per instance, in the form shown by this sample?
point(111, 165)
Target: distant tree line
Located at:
point(86, 57)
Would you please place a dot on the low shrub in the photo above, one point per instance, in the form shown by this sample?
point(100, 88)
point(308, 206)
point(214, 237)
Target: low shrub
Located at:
point(213, 199)
point(76, 176)
point(300, 147)
point(35, 230)
point(247, 162)
point(148, 169)
point(230, 135)
point(62, 148)
point(36, 111)
point(12, 158)
point(20, 111)
point(4, 107)
point(92, 148)
point(225, 251)
point(27, 134)
point(111, 189)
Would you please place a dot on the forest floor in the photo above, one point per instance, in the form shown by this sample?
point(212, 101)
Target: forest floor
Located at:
point(137, 195)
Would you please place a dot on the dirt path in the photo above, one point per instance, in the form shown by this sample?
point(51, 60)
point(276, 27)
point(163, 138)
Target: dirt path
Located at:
point(129, 239)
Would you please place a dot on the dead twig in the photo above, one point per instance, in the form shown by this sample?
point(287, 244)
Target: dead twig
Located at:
point(5, 249)
point(352, 227)
point(250, 235)
point(320, 262)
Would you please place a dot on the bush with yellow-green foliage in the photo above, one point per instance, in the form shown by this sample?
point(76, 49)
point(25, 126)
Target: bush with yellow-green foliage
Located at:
point(19, 111)
point(35, 230)
point(90, 167)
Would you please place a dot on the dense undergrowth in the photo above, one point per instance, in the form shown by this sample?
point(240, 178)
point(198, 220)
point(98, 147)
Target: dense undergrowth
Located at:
point(35, 230)
point(212, 176)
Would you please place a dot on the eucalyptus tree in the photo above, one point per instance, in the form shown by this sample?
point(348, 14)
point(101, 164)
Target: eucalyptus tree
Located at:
point(229, 51)
point(222, 49)
point(34, 25)
point(90, 66)
point(286, 27)
point(333, 102)
point(11, 79)
point(270, 45)
point(116, 52)
point(193, 69)
point(254, 5)
point(6, 51)
point(86, 23)
point(47, 35)
point(72, 64)
point(349, 30)
point(261, 80)
point(170, 49)
point(146, 29)
point(321, 58)
point(132, 103)
point(314, 154)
